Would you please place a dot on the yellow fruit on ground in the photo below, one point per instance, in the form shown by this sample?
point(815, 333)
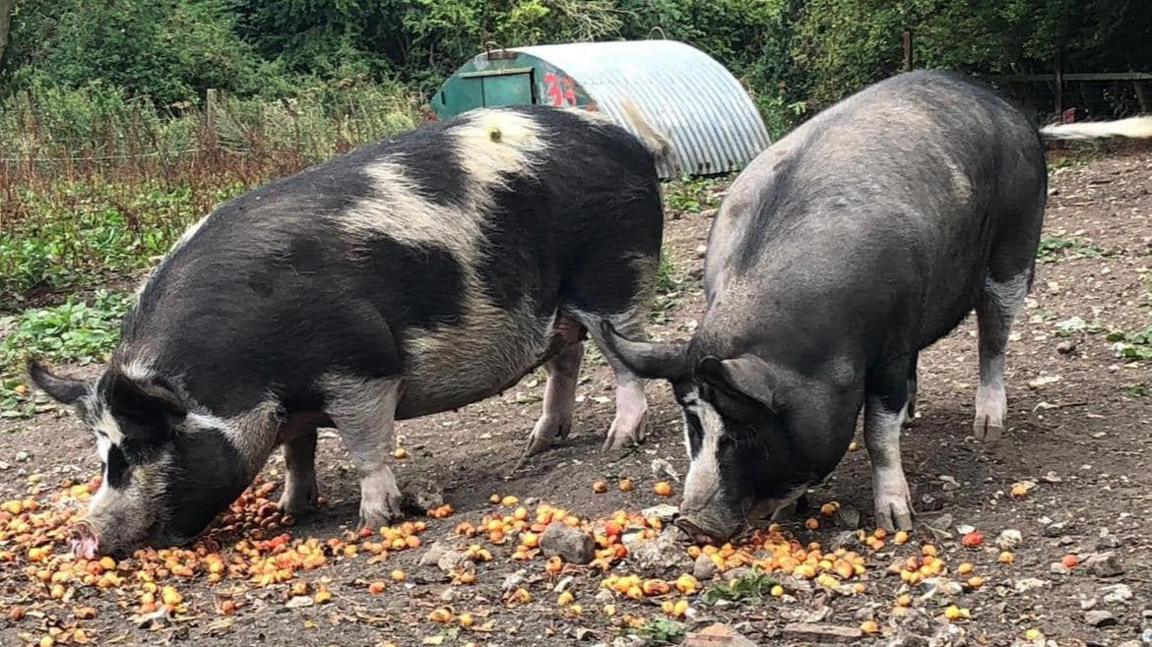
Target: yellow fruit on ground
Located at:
point(869, 627)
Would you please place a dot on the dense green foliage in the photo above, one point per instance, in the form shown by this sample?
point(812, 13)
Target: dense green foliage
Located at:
point(788, 50)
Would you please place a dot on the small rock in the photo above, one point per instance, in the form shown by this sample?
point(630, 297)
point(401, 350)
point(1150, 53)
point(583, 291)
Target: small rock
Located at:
point(847, 516)
point(300, 601)
point(822, 632)
point(574, 546)
point(1009, 538)
point(738, 573)
point(1088, 604)
point(449, 561)
point(662, 469)
point(940, 586)
point(1051, 477)
point(1056, 528)
point(656, 556)
point(1107, 542)
point(939, 527)
point(1104, 565)
point(419, 495)
point(949, 483)
point(604, 596)
point(1116, 593)
point(563, 584)
point(1058, 568)
point(701, 250)
point(965, 528)
point(514, 580)
point(1066, 347)
point(22, 456)
point(845, 539)
point(864, 613)
point(704, 568)
point(663, 512)
point(717, 635)
point(1100, 618)
point(1028, 583)
point(433, 554)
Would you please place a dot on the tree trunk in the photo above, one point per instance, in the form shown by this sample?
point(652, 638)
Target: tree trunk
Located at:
point(6, 7)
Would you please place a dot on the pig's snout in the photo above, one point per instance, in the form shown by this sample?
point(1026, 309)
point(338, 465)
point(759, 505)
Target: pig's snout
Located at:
point(85, 542)
point(703, 530)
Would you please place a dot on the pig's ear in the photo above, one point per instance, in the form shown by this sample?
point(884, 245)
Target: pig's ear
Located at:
point(648, 360)
point(150, 402)
point(746, 375)
point(65, 390)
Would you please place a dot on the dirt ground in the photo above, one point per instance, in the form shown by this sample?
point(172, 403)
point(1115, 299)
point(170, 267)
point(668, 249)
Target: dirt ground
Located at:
point(1079, 430)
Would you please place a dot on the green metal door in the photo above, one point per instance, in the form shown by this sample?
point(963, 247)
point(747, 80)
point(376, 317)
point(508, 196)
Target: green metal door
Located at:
point(514, 89)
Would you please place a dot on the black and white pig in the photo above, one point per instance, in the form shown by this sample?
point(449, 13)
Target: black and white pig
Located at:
point(841, 251)
point(406, 278)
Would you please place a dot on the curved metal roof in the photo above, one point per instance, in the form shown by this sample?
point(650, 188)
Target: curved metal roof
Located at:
point(695, 101)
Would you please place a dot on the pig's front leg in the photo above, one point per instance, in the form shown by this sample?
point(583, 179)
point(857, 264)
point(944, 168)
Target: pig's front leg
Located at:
point(884, 412)
point(364, 412)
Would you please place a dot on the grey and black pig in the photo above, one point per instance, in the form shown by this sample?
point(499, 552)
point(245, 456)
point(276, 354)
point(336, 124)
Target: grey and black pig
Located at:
point(406, 278)
point(841, 251)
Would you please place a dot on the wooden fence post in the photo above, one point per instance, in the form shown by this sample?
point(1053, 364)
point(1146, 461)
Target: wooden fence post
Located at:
point(906, 42)
point(210, 100)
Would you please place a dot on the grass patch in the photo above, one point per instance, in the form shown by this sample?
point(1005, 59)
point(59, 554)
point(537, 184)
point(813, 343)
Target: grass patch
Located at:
point(693, 194)
point(1058, 248)
point(663, 631)
point(751, 588)
point(74, 332)
point(1136, 346)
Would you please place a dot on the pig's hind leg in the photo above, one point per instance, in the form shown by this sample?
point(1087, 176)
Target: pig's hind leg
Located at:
point(629, 424)
point(364, 412)
point(1005, 289)
point(300, 490)
point(559, 397)
point(885, 410)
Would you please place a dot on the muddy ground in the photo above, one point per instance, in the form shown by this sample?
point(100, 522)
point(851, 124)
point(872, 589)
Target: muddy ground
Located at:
point(1080, 428)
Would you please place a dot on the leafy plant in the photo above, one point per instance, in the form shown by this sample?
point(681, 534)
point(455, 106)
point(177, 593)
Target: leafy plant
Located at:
point(1053, 249)
point(1135, 346)
point(74, 331)
point(753, 587)
point(664, 631)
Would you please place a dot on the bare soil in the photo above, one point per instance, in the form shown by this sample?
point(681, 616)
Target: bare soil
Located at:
point(1079, 428)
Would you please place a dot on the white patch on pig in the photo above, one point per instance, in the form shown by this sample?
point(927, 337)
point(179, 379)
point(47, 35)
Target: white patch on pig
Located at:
point(490, 347)
point(138, 370)
point(103, 447)
point(702, 484)
point(253, 434)
point(495, 145)
point(105, 425)
point(961, 185)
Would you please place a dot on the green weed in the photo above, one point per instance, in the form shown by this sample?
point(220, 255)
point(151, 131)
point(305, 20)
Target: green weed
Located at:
point(693, 195)
point(1057, 248)
point(756, 586)
point(74, 332)
point(663, 631)
point(1135, 346)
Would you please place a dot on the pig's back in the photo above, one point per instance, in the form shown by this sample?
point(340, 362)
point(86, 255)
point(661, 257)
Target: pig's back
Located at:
point(430, 254)
point(887, 204)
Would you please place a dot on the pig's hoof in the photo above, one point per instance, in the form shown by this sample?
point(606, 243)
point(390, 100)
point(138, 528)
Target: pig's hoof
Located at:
point(894, 512)
point(300, 501)
point(376, 519)
point(546, 431)
point(988, 429)
point(627, 429)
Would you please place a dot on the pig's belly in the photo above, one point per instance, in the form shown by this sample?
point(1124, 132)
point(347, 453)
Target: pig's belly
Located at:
point(448, 368)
